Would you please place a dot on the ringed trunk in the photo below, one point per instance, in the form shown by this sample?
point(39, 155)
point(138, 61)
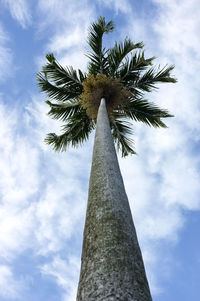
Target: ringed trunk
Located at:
point(112, 267)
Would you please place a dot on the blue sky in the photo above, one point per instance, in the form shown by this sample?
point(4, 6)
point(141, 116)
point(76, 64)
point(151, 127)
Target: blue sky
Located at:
point(43, 195)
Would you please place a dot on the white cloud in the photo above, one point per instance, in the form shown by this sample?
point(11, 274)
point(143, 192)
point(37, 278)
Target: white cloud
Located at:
point(68, 47)
point(74, 10)
point(43, 198)
point(62, 203)
point(119, 6)
point(6, 56)
point(59, 212)
point(66, 273)
point(17, 161)
point(178, 26)
point(73, 22)
point(19, 10)
point(9, 287)
point(178, 30)
point(68, 38)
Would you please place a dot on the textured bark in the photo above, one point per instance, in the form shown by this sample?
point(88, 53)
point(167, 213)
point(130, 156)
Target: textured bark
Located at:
point(112, 266)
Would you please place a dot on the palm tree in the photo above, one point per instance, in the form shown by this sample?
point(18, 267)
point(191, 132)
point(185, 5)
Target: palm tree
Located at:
point(112, 91)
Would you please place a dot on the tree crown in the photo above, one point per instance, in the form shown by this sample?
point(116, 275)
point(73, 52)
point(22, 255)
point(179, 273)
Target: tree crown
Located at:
point(121, 74)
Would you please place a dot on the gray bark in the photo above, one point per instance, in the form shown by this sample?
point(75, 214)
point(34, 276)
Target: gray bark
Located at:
point(112, 266)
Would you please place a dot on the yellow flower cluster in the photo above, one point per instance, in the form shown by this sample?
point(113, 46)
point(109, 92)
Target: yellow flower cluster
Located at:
point(101, 86)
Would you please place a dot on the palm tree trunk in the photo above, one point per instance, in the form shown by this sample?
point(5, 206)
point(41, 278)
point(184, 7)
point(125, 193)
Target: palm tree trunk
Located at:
point(112, 266)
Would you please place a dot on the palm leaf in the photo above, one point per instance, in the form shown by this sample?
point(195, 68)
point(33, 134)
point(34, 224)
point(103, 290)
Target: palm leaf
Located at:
point(62, 77)
point(64, 110)
point(57, 93)
point(75, 132)
point(144, 111)
point(121, 131)
point(117, 54)
point(147, 82)
point(98, 62)
point(132, 68)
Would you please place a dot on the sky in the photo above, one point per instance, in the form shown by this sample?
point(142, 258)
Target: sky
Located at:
point(43, 194)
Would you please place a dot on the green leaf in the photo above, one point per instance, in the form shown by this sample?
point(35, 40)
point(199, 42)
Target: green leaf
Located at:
point(147, 82)
point(121, 131)
point(98, 62)
point(58, 93)
point(96, 31)
point(75, 132)
point(64, 110)
point(117, 54)
point(62, 77)
point(144, 111)
point(132, 68)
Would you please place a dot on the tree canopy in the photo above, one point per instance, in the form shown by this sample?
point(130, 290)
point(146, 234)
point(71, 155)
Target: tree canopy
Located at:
point(121, 74)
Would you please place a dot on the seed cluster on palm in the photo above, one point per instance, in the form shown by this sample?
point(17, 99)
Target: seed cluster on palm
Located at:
point(121, 74)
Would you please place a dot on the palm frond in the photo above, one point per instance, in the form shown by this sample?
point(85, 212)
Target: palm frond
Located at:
point(164, 75)
point(147, 82)
point(121, 131)
point(132, 68)
point(75, 132)
point(62, 76)
point(96, 31)
point(98, 62)
point(144, 111)
point(63, 111)
point(117, 54)
point(131, 75)
point(58, 93)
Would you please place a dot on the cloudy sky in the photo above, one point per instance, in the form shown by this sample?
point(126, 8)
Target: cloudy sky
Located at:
point(43, 194)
